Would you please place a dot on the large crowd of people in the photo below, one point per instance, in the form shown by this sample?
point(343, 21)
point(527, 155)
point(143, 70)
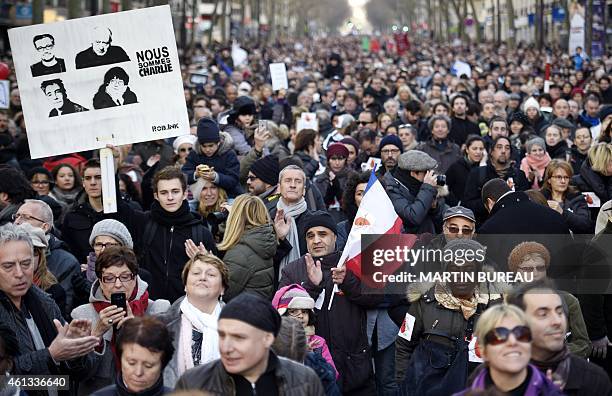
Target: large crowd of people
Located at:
point(218, 270)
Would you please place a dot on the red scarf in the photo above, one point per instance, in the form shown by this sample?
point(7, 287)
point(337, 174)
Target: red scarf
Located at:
point(139, 308)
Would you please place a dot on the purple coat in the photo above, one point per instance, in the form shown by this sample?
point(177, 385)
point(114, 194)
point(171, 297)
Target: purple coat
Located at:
point(538, 385)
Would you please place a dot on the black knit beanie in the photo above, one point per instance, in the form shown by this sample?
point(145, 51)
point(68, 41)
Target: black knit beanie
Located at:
point(254, 310)
point(266, 169)
point(320, 219)
point(208, 131)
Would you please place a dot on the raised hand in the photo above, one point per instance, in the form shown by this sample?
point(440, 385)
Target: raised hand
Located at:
point(64, 348)
point(315, 274)
point(281, 226)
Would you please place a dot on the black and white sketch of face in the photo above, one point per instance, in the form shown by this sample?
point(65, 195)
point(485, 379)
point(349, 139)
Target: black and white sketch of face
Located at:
point(55, 95)
point(101, 41)
point(45, 46)
point(116, 87)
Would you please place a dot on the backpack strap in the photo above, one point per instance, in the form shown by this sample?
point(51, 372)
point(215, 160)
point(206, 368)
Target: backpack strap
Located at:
point(149, 234)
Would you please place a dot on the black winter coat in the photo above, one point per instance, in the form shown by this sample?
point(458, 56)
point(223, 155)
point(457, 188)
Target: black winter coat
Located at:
point(456, 177)
point(344, 327)
point(292, 379)
point(590, 181)
point(414, 208)
point(517, 219)
point(575, 213)
point(159, 242)
point(460, 129)
point(478, 176)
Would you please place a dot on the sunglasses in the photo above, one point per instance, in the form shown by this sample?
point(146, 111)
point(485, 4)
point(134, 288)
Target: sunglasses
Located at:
point(456, 230)
point(364, 122)
point(499, 335)
point(185, 149)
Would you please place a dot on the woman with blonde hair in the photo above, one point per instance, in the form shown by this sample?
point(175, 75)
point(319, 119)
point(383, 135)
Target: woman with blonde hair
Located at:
point(565, 198)
point(594, 176)
point(249, 246)
point(504, 343)
point(193, 318)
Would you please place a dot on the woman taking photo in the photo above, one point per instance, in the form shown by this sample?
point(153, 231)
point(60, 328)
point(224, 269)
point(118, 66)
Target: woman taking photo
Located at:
point(67, 185)
point(211, 199)
point(457, 173)
point(193, 318)
point(116, 273)
point(565, 198)
point(535, 161)
point(240, 122)
point(249, 244)
point(144, 348)
point(504, 340)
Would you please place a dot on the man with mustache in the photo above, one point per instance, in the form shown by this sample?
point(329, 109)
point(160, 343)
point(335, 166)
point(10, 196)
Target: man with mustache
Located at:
point(547, 317)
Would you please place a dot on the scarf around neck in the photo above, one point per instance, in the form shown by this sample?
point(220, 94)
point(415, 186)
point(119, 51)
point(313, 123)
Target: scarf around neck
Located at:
point(559, 363)
point(445, 297)
point(168, 219)
point(291, 213)
point(193, 318)
point(538, 165)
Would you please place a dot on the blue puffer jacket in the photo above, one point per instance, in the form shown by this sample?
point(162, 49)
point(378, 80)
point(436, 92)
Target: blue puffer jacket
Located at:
point(224, 161)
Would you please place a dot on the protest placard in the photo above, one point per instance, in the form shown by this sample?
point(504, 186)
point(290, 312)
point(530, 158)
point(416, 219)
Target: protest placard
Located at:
point(307, 121)
point(5, 94)
point(278, 74)
point(107, 79)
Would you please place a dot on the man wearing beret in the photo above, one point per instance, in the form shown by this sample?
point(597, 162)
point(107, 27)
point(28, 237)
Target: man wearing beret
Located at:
point(412, 189)
point(344, 326)
point(247, 328)
point(390, 148)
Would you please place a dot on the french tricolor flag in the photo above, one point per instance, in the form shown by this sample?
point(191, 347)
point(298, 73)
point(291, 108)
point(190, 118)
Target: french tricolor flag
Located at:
point(375, 215)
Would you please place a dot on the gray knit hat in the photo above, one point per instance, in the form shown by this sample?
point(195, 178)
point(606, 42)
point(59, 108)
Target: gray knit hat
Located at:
point(415, 160)
point(114, 229)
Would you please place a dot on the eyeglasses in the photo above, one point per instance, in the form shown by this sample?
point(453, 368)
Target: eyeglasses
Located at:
point(389, 151)
point(123, 278)
point(364, 122)
point(46, 47)
point(559, 177)
point(539, 268)
point(499, 335)
point(26, 217)
point(456, 230)
point(251, 178)
point(100, 245)
point(185, 149)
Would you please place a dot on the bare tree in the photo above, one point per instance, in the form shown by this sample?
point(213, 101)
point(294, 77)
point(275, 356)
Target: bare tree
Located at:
point(511, 29)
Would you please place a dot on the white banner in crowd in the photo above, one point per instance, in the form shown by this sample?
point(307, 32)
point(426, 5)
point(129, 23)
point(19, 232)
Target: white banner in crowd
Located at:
point(5, 94)
point(111, 78)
